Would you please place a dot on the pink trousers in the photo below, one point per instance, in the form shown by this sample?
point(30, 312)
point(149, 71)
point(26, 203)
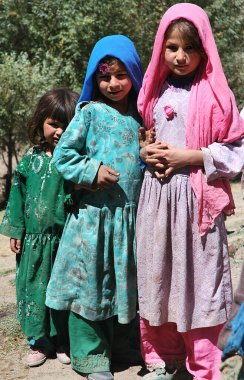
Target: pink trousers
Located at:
point(197, 347)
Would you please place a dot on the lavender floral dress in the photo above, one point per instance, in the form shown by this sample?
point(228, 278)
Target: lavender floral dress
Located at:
point(182, 277)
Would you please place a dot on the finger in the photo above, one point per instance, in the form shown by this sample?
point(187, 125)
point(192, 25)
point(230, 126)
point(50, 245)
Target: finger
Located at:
point(162, 145)
point(111, 178)
point(159, 175)
point(156, 144)
point(159, 156)
point(154, 161)
point(108, 181)
point(112, 171)
point(156, 150)
point(161, 166)
point(169, 171)
point(142, 133)
point(15, 245)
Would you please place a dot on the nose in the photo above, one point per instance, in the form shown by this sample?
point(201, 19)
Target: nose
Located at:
point(59, 131)
point(180, 56)
point(114, 83)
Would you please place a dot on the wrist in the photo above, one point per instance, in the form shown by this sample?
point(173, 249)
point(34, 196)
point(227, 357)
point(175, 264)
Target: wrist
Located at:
point(195, 157)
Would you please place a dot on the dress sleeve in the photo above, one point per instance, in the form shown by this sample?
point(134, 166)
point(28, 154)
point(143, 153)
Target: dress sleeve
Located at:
point(70, 156)
point(13, 224)
point(222, 160)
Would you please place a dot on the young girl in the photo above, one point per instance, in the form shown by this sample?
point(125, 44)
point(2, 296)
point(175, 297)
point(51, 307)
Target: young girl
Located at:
point(183, 268)
point(95, 273)
point(34, 220)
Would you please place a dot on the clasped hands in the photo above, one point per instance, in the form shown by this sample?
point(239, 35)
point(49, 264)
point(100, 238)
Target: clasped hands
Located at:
point(164, 158)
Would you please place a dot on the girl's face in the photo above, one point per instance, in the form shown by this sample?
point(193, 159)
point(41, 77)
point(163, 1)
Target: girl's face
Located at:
point(52, 130)
point(180, 57)
point(114, 82)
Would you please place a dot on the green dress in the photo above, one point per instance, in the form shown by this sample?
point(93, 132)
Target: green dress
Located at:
point(35, 214)
point(95, 271)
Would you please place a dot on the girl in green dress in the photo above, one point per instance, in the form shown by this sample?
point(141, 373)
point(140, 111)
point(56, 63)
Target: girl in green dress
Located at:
point(34, 221)
point(94, 275)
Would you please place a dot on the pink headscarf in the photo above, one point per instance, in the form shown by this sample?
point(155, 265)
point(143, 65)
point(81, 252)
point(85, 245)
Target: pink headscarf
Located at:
point(212, 112)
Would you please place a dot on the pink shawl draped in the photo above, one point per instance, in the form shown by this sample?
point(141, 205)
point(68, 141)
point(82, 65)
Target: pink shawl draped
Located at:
point(212, 112)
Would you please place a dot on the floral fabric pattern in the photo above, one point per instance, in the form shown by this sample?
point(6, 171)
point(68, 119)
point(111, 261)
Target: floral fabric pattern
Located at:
point(174, 252)
point(36, 215)
point(95, 271)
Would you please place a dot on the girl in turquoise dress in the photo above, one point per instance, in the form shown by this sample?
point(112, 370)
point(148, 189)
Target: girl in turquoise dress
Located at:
point(34, 221)
point(94, 275)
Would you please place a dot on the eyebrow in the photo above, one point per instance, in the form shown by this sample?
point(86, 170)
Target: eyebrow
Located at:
point(116, 71)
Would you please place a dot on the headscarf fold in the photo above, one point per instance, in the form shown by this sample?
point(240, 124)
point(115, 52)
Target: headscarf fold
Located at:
point(212, 113)
point(117, 46)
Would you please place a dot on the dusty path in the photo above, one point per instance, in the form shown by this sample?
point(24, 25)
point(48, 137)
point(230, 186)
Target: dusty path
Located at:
point(12, 343)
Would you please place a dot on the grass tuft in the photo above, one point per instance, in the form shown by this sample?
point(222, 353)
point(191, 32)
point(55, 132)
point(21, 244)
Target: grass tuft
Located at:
point(11, 335)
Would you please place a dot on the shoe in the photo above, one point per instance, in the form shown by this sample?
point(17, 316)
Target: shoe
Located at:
point(62, 356)
point(35, 357)
point(100, 376)
point(131, 356)
point(159, 374)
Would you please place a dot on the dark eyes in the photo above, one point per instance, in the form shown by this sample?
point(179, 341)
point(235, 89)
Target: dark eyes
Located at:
point(174, 48)
point(108, 77)
point(122, 75)
point(104, 77)
point(55, 125)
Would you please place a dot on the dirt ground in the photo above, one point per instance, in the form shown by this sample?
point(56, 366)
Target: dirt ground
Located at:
point(12, 343)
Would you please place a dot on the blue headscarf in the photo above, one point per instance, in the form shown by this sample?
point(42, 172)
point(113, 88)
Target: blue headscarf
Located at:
point(117, 46)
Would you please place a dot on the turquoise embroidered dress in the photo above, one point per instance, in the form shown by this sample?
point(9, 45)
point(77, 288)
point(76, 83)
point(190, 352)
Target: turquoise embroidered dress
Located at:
point(36, 215)
point(95, 271)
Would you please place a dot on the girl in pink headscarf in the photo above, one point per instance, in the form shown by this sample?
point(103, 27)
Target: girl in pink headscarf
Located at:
point(184, 280)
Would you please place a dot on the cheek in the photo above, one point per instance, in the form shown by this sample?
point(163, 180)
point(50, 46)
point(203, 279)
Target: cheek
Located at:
point(167, 58)
point(196, 59)
point(126, 84)
point(129, 85)
point(102, 86)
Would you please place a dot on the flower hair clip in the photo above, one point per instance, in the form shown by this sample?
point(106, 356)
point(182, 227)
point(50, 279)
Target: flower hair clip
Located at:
point(169, 112)
point(103, 68)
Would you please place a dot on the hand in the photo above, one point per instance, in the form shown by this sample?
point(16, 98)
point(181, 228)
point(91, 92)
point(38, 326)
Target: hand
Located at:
point(106, 178)
point(167, 159)
point(149, 150)
point(146, 137)
point(15, 245)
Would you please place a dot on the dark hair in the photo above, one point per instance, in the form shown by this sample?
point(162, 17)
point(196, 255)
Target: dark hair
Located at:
point(58, 104)
point(189, 32)
point(95, 90)
point(96, 95)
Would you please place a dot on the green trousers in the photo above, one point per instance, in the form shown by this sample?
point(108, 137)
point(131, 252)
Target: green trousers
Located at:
point(58, 332)
point(93, 343)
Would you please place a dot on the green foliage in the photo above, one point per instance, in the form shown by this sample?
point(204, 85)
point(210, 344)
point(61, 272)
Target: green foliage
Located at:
point(21, 83)
point(227, 19)
point(48, 43)
point(62, 34)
